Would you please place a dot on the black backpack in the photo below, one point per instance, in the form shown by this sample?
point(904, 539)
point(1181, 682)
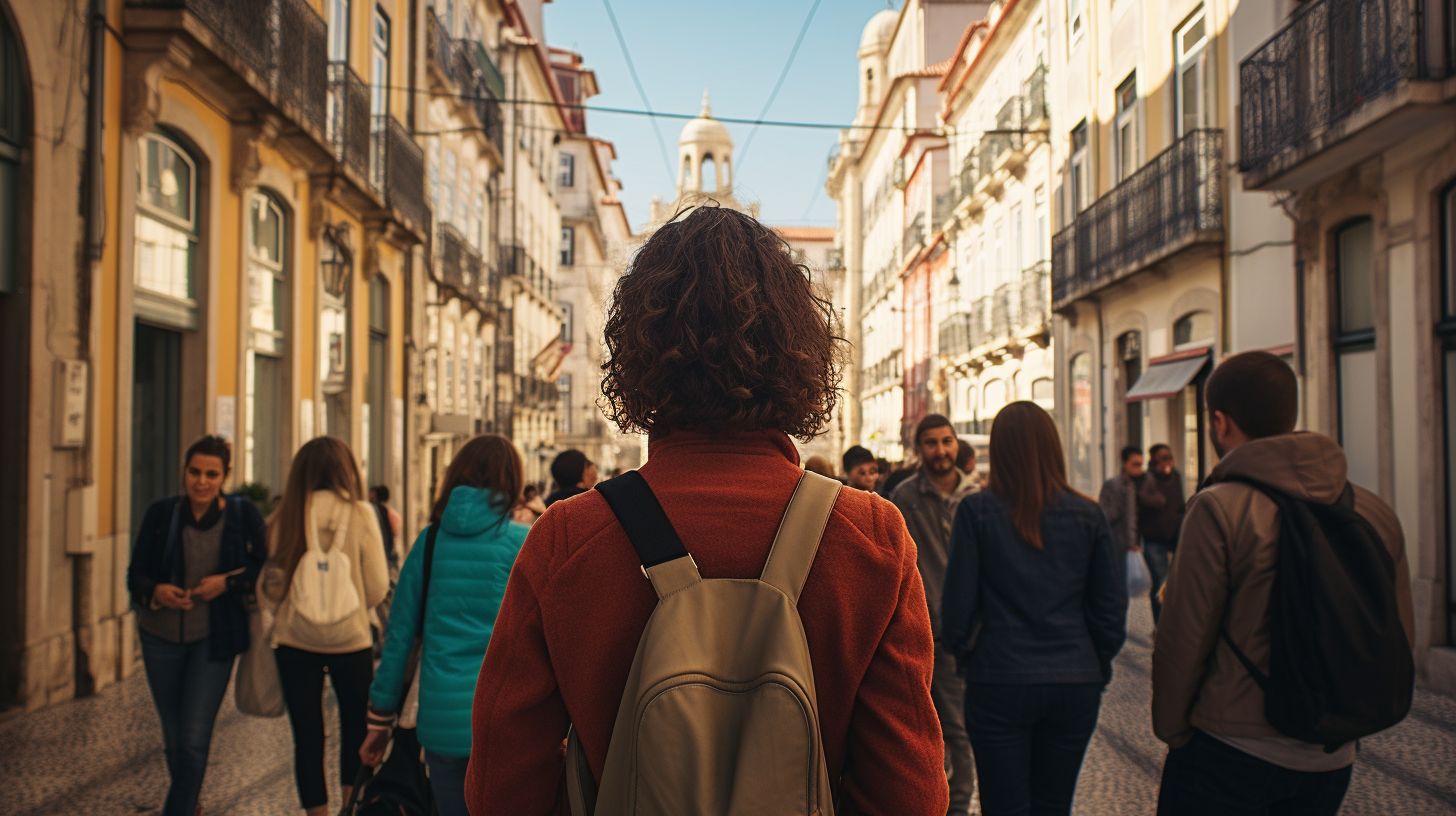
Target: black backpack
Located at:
point(1340, 665)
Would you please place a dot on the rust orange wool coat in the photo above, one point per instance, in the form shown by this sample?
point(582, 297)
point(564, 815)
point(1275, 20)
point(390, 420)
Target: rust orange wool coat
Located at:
point(577, 602)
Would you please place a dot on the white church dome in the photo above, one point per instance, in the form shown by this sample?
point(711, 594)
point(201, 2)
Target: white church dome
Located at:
point(705, 129)
point(878, 32)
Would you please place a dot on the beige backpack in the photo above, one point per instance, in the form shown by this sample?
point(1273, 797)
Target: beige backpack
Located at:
point(719, 715)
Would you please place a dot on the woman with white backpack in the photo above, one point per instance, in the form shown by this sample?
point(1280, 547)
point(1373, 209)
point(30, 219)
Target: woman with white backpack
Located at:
point(325, 571)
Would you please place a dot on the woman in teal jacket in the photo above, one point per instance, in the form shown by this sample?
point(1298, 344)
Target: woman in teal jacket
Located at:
point(475, 546)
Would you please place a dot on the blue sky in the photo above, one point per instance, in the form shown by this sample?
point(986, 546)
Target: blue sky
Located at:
point(736, 50)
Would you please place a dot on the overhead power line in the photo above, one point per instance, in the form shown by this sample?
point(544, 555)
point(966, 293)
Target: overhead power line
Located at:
point(779, 84)
point(641, 91)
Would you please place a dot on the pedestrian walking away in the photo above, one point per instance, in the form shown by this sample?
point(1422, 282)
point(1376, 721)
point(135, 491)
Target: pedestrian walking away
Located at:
point(325, 571)
point(1160, 515)
point(861, 471)
point(475, 543)
point(720, 350)
point(1118, 500)
point(1035, 610)
point(573, 473)
point(1258, 542)
point(193, 567)
point(928, 501)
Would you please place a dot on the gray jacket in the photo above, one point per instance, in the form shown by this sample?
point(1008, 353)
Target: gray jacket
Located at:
point(1119, 503)
point(928, 514)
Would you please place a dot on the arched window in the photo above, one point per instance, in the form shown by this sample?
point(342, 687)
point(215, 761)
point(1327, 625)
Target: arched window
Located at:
point(727, 173)
point(12, 141)
point(685, 177)
point(265, 390)
point(993, 398)
point(167, 233)
point(1354, 346)
point(1193, 329)
point(1130, 368)
point(870, 85)
point(1042, 393)
point(1080, 440)
point(708, 175)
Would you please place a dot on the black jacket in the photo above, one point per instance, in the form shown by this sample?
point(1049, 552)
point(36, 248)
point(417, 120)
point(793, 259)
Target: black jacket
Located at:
point(156, 558)
point(1015, 614)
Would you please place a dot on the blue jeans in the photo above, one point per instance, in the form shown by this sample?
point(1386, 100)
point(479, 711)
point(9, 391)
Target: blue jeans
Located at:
point(1029, 742)
point(1210, 777)
point(447, 782)
point(1157, 556)
point(187, 689)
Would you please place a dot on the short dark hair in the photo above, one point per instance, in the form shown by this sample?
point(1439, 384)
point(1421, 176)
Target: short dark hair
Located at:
point(1153, 451)
point(856, 456)
point(212, 445)
point(568, 468)
point(965, 455)
point(930, 423)
point(381, 493)
point(1258, 391)
point(715, 326)
point(1130, 451)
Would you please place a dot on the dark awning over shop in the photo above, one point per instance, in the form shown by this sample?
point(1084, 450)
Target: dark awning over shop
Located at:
point(1167, 379)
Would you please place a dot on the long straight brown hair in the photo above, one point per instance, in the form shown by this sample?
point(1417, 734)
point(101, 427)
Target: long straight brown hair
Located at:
point(1027, 468)
point(488, 461)
point(323, 463)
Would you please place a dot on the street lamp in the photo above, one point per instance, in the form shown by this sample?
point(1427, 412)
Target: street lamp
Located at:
point(338, 259)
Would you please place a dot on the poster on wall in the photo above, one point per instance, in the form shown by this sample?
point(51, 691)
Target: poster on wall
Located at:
point(227, 418)
point(305, 419)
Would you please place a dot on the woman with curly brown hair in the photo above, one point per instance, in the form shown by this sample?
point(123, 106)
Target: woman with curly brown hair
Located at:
point(720, 349)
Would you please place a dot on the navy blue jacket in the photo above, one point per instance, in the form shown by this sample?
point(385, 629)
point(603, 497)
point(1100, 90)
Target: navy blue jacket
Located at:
point(1015, 614)
point(156, 558)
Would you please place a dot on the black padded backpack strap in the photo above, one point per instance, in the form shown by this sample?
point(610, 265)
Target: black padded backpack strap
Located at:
point(640, 514)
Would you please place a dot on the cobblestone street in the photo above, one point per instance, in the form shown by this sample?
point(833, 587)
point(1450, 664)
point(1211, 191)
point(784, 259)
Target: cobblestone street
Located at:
point(103, 756)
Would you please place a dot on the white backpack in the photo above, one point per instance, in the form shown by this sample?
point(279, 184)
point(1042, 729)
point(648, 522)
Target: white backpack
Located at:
point(322, 596)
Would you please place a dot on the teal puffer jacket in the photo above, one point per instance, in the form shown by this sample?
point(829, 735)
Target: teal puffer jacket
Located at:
point(474, 551)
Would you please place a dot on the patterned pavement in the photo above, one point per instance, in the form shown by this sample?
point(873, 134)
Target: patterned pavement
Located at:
point(102, 756)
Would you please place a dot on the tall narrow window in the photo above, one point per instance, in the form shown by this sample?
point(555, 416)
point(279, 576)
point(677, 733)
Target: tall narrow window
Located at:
point(1194, 76)
point(377, 382)
point(567, 177)
point(1126, 155)
point(568, 246)
point(1085, 467)
point(1081, 171)
point(447, 379)
point(1130, 359)
point(708, 175)
point(166, 233)
point(334, 349)
point(1446, 333)
point(1354, 341)
point(1076, 20)
point(266, 387)
point(379, 87)
point(338, 30)
point(448, 189)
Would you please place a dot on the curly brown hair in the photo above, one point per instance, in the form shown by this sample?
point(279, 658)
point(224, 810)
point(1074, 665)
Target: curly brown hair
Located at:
point(715, 327)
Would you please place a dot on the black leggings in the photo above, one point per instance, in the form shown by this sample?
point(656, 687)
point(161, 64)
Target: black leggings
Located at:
point(302, 675)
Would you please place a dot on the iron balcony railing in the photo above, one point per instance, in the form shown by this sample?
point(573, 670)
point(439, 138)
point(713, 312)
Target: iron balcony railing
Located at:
point(484, 67)
point(955, 334)
point(280, 43)
point(1002, 309)
point(970, 172)
point(401, 168)
point(1005, 139)
point(348, 119)
point(944, 205)
point(1175, 200)
point(914, 237)
point(516, 262)
point(468, 66)
point(1035, 296)
point(1332, 58)
point(460, 266)
point(1033, 97)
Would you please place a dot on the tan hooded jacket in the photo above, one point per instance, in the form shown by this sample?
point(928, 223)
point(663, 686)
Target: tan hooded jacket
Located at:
point(1223, 574)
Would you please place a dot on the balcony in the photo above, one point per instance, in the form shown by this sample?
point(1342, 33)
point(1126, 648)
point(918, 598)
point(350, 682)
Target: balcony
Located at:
point(1035, 297)
point(1003, 308)
point(348, 122)
point(1034, 113)
point(461, 269)
point(249, 54)
point(516, 263)
point(1341, 82)
point(1173, 204)
point(463, 71)
point(914, 236)
point(955, 335)
point(399, 167)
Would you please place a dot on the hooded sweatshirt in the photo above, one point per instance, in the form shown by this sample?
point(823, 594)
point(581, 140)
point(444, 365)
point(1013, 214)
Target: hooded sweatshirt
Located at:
point(1222, 577)
point(474, 551)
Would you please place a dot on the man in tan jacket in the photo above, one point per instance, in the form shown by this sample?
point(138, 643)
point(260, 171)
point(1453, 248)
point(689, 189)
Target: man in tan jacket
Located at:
point(1225, 757)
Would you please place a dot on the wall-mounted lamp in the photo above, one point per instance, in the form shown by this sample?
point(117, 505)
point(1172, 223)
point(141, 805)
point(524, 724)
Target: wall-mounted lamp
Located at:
point(337, 261)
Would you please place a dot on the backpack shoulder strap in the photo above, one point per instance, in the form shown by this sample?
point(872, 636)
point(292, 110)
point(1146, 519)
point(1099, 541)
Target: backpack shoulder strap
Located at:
point(797, 543)
point(430, 535)
point(665, 561)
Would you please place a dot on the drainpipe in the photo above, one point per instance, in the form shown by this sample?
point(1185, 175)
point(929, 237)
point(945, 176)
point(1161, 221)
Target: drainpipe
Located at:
point(1101, 386)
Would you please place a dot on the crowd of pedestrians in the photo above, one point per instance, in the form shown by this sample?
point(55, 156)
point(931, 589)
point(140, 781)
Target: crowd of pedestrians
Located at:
point(726, 631)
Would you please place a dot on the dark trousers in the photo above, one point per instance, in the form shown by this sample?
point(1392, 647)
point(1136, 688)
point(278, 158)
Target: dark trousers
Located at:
point(447, 782)
point(301, 674)
point(1209, 777)
point(187, 689)
point(1158, 556)
point(1029, 742)
point(948, 692)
